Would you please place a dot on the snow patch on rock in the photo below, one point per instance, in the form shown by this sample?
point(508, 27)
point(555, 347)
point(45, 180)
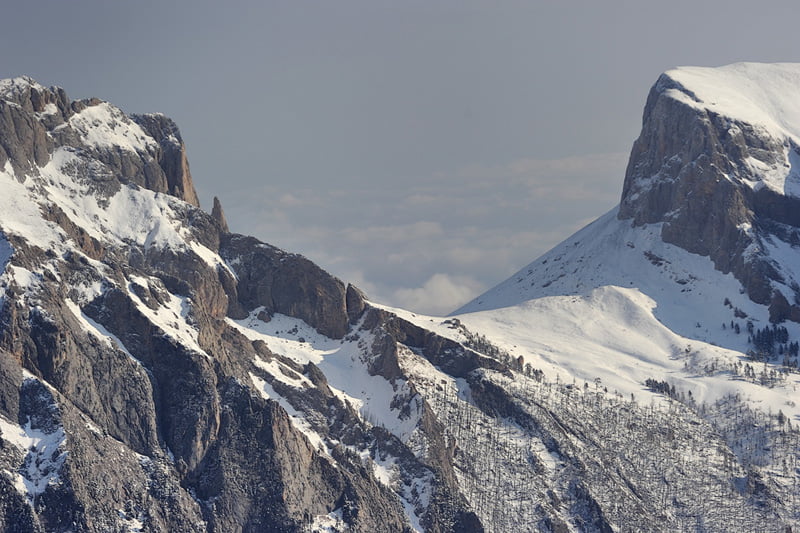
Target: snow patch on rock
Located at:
point(106, 126)
point(43, 455)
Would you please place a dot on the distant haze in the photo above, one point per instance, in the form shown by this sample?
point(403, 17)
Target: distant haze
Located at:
point(422, 150)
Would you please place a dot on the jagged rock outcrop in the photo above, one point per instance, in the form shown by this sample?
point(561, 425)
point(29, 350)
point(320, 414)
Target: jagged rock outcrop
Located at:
point(288, 284)
point(720, 181)
point(171, 156)
point(219, 215)
point(144, 149)
point(355, 303)
point(23, 139)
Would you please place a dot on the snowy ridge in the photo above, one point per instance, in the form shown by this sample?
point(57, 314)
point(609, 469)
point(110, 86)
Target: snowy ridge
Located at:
point(763, 96)
point(11, 86)
point(615, 302)
point(131, 215)
point(342, 362)
point(760, 94)
point(105, 126)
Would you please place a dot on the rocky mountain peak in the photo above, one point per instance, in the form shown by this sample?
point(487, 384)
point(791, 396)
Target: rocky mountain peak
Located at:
point(136, 325)
point(219, 215)
point(147, 150)
point(172, 157)
point(31, 96)
point(716, 166)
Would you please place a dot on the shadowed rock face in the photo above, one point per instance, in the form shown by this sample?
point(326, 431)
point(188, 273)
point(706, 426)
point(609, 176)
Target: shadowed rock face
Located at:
point(288, 284)
point(688, 170)
point(23, 140)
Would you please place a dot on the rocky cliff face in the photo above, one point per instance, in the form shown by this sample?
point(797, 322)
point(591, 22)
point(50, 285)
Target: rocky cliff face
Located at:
point(715, 164)
point(131, 397)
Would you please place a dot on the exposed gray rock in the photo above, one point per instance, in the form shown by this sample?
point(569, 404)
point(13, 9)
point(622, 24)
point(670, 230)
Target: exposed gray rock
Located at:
point(687, 170)
point(23, 139)
point(448, 355)
point(260, 459)
point(219, 215)
point(286, 283)
point(172, 156)
point(355, 302)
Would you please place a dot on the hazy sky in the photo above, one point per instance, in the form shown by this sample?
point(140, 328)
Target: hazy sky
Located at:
point(424, 150)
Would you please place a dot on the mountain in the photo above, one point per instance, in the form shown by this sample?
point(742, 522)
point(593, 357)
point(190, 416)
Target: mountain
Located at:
point(138, 393)
point(160, 373)
point(692, 280)
point(703, 236)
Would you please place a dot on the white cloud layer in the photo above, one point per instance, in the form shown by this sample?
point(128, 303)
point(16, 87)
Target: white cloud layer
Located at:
point(431, 244)
point(439, 295)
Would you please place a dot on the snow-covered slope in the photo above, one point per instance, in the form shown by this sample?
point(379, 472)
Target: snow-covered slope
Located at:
point(716, 165)
point(760, 94)
point(615, 302)
point(696, 252)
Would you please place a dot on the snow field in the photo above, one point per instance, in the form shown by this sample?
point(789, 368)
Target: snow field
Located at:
point(616, 303)
point(105, 126)
point(342, 362)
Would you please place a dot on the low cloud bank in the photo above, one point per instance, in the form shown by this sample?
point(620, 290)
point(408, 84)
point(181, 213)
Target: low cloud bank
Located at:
point(431, 244)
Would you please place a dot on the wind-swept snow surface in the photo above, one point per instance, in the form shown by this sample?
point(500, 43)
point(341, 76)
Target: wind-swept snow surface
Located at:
point(760, 94)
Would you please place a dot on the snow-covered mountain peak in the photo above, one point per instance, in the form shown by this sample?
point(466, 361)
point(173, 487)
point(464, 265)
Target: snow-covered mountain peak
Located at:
point(716, 164)
point(714, 173)
point(92, 144)
point(705, 243)
point(9, 87)
point(242, 388)
point(765, 95)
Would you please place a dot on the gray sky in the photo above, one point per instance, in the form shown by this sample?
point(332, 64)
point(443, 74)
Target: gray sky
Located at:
point(424, 150)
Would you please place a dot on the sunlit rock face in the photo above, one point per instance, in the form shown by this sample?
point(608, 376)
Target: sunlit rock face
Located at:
point(716, 163)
